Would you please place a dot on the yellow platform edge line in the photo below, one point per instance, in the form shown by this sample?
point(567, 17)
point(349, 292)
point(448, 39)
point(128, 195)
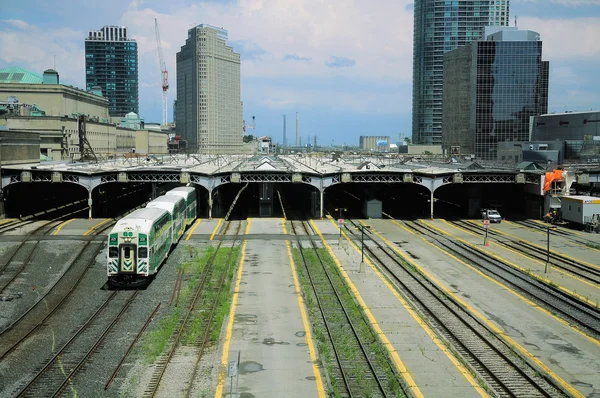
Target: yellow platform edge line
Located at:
point(532, 273)
point(229, 330)
point(308, 334)
point(476, 313)
point(89, 231)
point(216, 229)
point(525, 299)
point(459, 366)
point(57, 230)
point(400, 366)
point(189, 235)
point(248, 222)
point(551, 251)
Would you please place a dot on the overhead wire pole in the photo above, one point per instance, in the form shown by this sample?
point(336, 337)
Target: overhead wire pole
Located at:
point(164, 74)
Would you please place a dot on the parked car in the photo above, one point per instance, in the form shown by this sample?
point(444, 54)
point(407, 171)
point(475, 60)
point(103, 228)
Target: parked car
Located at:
point(491, 215)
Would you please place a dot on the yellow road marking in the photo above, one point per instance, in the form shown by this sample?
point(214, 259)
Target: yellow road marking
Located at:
point(247, 226)
point(228, 333)
point(535, 275)
point(309, 340)
point(593, 340)
point(216, 228)
point(89, 231)
point(193, 229)
point(57, 230)
point(541, 247)
point(400, 366)
point(494, 328)
point(6, 220)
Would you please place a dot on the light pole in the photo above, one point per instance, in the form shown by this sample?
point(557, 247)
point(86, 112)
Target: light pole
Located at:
point(362, 246)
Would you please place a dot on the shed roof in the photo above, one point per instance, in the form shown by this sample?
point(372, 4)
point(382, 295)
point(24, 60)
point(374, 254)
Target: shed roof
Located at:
point(16, 74)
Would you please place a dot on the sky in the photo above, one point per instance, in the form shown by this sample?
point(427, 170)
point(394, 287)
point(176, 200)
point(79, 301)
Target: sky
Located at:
point(344, 65)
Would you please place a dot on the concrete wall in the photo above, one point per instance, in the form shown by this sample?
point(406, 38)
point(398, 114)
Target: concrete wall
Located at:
point(57, 99)
point(580, 126)
point(18, 147)
point(106, 140)
point(420, 149)
point(369, 143)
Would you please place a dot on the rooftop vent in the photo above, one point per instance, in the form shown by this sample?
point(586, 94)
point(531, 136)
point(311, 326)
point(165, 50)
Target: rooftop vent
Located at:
point(50, 77)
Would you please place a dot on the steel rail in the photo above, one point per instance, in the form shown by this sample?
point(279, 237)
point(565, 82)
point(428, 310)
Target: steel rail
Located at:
point(374, 374)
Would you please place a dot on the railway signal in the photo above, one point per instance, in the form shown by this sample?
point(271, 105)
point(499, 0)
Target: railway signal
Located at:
point(548, 248)
point(362, 228)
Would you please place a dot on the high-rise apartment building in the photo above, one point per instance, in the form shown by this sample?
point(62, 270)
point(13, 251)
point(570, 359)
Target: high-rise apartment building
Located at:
point(111, 62)
point(209, 106)
point(441, 26)
point(492, 88)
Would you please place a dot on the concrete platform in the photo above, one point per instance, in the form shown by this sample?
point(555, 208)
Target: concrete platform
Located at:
point(427, 362)
point(80, 226)
point(575, 285)
point(579, 233)
point(268, 329)
point(558, 244)
point(265, 226)
point(567, 353)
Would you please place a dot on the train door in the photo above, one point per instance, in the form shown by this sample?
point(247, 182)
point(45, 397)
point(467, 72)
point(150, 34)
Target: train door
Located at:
point(128, 258)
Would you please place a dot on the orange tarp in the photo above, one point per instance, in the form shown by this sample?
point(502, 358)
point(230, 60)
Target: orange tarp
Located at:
point(552, 176)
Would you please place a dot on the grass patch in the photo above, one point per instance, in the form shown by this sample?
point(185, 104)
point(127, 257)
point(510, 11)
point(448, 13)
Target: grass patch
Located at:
point(345, 341)
point(224, 262)
point(155, 342)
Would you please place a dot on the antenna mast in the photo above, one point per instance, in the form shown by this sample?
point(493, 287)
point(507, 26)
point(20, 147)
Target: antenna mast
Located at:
point(164, 74)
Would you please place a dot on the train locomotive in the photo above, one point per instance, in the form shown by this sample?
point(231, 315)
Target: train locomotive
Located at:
point(139, 243)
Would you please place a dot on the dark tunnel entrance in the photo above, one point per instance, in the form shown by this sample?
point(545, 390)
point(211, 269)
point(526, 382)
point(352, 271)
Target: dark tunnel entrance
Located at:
point(397, 199)
point(467, 200)
point(28, 199)
point(261, 199)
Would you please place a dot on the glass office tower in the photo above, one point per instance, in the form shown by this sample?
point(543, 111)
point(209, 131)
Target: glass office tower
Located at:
point(111, 62)
point(441, 26)
point(491, 90)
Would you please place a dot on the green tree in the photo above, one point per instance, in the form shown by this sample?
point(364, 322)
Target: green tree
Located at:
point(248, 138)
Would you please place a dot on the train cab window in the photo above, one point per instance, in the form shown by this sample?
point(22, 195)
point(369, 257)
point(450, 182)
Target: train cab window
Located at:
point(127, 253)
point(143, 252)
point(113, 252)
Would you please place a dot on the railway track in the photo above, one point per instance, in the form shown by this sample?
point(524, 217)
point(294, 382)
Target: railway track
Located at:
point(559, 232)
point(557, 260)
point(572, 309)
point(203, 301)
point(47, 304)
point(20, 257)
point(53, 377)
point(356, 369)
point(504, 370)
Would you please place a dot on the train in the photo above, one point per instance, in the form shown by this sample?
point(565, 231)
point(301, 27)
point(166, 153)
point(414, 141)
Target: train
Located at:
point(140, 242)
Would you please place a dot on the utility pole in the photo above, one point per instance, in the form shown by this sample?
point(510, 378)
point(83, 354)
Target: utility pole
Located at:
point(284, 135)
point(297, 132)
point(315, 141)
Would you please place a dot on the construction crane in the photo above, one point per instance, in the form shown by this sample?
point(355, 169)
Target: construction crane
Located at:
point(252, 126)
point(164, 74)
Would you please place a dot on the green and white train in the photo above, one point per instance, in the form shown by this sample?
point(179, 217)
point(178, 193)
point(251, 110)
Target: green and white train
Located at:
point(140, 242)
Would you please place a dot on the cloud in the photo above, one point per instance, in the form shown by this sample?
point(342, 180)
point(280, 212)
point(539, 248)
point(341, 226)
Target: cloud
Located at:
point(247, 49)
point(559, 35)
point(294, 57)
point(571, 3)
point(26, 48)
point(339, 62)
point(17, 23)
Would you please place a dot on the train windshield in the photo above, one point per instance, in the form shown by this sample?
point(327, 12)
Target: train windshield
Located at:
point(127, 252)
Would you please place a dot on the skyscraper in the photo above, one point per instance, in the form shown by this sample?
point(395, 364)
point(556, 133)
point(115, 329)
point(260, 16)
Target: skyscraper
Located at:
point(441, 26)
point(111, 62)
point(209, 106)
point(492, 88)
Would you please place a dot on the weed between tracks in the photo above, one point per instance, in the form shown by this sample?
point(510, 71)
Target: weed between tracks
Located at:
point(156, 341)
point(345, 344)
